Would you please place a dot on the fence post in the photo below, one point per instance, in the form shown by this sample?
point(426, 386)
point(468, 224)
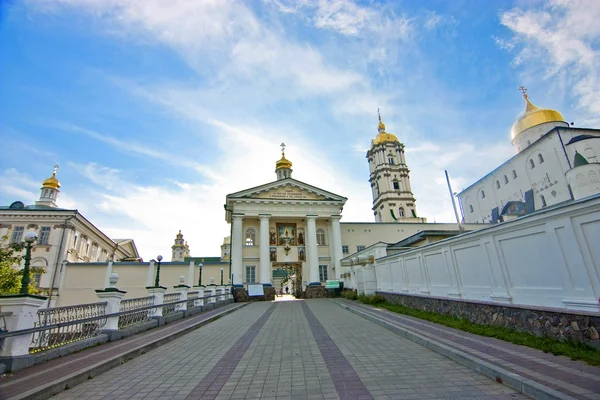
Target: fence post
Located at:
point(183, 294)
point(159, 295)
point(210, 291)
point(113, 297)
point(200, 301)
point(23, 309)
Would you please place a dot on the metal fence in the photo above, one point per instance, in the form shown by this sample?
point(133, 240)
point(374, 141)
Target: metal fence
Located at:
point(135, 311)
point(171, 304)
point(61, 325)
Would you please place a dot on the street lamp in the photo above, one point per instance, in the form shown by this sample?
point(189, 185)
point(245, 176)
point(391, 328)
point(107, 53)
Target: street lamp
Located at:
point(157, 280)
point(200, 265)
point(30, 237)
point(221, 276)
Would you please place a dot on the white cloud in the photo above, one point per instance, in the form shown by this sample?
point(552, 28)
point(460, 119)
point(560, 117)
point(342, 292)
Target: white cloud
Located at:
point(560, 38)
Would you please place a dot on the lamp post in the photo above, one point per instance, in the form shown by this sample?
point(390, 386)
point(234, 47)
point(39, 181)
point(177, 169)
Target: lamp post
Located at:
point(221, 276)
point(200, 265)
point(157, 280)
point(30, 237)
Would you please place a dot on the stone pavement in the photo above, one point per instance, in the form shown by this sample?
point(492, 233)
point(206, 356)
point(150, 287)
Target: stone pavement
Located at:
point(523, 366)
point(291, 350)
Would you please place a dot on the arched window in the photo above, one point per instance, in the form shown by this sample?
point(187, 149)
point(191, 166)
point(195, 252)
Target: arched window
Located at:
point(470, 208)
point(320, 237)
point(505, 179)
point(514, 174)
point(250, 237)
point(543, 200)
point(540, 158)
point(497, 184)
point(531, 164)
point(391, 160)
point(482, 194)
point(401, 212)
point(396, 185)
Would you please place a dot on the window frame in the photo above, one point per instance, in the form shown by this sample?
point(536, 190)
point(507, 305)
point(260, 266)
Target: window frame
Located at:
point(396, 185)
point(514, 172)
point(44, 237)
point(540, 158)
point(250, 234)
point(321, 237)
point(323, 272)
point(360, 247)
point(250, 273)
point(531, 164)
point(17, 234)
point(345, 249)
point(505, 179)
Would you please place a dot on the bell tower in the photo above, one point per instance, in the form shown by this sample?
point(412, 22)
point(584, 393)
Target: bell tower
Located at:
point(393, 200)
point(179, 248)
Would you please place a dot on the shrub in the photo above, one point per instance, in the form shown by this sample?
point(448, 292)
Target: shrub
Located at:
point(349, 294)
point(372, 300)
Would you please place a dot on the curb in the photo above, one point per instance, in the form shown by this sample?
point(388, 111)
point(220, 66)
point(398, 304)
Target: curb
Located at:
point(522, 385)
point(68, 381)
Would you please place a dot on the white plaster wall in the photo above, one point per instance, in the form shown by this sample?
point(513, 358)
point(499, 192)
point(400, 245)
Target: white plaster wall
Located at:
point(549, 258)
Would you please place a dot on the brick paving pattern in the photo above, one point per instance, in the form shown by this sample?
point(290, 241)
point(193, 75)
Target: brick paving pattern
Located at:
point(210, 386)
point(286, 349)
point(346, 381)
point(573, 378)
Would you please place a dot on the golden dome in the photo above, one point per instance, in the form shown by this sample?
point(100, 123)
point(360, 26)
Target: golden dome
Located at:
point(534, 116)
point(383, 136)
point(52, 182)
point(283, 162)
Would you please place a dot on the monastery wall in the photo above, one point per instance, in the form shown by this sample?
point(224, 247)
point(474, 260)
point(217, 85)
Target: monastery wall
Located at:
point(547, 259)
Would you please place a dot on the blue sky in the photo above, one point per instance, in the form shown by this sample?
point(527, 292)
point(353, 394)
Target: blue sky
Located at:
point(156, 110)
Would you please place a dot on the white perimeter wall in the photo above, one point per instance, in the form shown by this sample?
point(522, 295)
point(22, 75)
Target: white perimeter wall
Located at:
point(550, 258)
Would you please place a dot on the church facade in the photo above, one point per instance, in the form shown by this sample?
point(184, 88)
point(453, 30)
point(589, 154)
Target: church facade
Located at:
point(284, 225)
point(554, 163)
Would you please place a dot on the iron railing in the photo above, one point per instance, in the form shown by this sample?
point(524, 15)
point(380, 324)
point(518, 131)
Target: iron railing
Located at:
point(62, 325)
point(171, 303)
point(136, 311)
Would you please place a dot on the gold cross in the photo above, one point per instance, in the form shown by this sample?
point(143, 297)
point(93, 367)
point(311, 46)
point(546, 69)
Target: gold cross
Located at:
point(524, 90)
point(282, 147)
point(55, 169)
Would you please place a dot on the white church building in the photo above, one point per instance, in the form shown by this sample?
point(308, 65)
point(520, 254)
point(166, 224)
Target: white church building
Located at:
point(554, 163)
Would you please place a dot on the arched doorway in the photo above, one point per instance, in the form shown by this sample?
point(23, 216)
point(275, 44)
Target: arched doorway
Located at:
point(288, 275)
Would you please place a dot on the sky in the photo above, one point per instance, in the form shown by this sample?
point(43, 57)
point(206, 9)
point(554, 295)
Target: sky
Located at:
point(155, 110)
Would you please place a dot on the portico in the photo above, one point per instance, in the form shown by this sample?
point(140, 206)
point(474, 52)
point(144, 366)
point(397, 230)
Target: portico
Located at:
point(285, 221)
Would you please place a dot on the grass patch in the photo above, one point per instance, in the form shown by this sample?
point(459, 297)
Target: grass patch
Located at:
point(349, 294)
point(571, 349)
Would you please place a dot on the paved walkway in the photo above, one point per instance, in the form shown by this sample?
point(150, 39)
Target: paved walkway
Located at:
point(571, 379)
point(291, 350)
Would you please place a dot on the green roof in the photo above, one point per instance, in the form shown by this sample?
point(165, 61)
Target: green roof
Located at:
point(580, 160)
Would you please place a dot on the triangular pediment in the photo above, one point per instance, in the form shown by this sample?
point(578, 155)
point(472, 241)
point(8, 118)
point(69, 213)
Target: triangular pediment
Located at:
point(287, 189)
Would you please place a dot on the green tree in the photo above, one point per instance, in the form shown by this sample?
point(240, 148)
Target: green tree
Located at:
point(10, 276)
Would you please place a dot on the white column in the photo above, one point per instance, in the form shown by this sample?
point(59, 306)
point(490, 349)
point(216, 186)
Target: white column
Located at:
point(265, 261)
point(159, 296)
point(190, 278)
point(336, 246)
point(236, 248)
point(312, 253)
point(150, 277)
point(112, 297)
point(109, 267)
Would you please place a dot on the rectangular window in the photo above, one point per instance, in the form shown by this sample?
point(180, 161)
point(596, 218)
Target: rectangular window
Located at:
point(322, 273)
point(345, 249)
point(44, 235)
point(390, 161)
point(360, 247)
point(250, 274)
point(396, 185)
point(17, 234)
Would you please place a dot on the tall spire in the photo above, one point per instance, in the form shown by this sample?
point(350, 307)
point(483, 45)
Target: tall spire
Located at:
point(381, 127)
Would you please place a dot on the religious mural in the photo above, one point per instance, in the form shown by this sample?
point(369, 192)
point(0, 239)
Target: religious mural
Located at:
point(300, 237)
point(287, 234)
point(273, 253)
point(301, 254)
point(273, 237)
